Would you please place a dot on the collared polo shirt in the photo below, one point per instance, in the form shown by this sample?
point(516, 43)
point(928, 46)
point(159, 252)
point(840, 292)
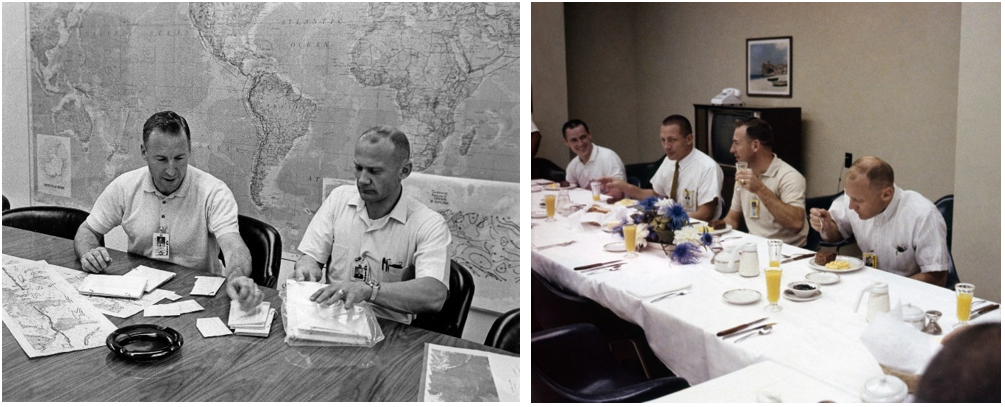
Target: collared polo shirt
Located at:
point(412, 241)
point(603, 162)
point(909, 236)
point(700, 181)
point(790, 187)
point(202, 209)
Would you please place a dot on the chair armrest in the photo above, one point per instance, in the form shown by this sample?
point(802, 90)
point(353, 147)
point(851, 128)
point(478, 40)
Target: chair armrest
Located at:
point(640, 392)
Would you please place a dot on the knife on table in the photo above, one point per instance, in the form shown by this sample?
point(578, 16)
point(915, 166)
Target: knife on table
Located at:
point(739, 327)
point(799, 257)
point(747, 330)
point(983, 310)
point(595, 265)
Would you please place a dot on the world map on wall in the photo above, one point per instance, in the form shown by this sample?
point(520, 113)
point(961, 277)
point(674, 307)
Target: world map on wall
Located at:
point(275, 93)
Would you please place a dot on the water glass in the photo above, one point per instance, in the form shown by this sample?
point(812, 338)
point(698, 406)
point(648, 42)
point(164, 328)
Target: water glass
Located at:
point(741, 166)
point(630, 231)
point(964, 297)
point(595, 188)
point(774, 253)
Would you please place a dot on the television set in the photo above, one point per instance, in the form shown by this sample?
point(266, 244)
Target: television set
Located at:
point(720, 133)
point(714, 126)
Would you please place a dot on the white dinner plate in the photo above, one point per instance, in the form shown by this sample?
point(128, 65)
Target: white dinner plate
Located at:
point(615, 247)
point(854, 262)
point(558, 187)
point(535, 188)
point(823, 277)
point(789, 295)
point(741, 296)
point(538, 214)
point(721, 231)
point(606, 229)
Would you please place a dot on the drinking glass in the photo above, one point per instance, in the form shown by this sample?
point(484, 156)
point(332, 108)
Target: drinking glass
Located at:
point(741, 166)
point(595, 187)
point(774, 253)
point(549, 206)
point(964, 297)
point(630, 231)
point(773, 276)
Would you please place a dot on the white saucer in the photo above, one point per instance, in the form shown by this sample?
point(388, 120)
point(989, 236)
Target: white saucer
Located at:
point(789, 295)
point(741, 296)
point(616, 247)
point(606, 229)
point(538, 214)
point(535, 188)
point(823, 277)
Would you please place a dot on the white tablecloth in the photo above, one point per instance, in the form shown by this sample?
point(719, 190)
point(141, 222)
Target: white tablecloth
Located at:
point(761, 381)
point(819, 338)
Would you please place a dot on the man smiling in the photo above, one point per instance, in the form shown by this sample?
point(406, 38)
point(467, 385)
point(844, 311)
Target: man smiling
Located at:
point(592, 162)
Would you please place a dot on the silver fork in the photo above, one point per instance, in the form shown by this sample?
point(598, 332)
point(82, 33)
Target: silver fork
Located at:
point(673, 294)
point(563, 244)
point(604, 270)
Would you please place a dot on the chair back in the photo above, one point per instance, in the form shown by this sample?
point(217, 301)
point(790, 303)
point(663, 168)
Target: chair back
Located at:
point(266, 247)
point(505, 332)
point(50, 220)
point(6, 204)
point(451, 318)
point(822, 202)
point(945, 207)
point(543, 168)
point(642, 173)
point(952, 278)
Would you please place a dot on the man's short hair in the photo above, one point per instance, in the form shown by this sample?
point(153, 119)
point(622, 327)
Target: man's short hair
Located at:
point(967, 370)
point(166, 122)
point(402, 150)
point(877, 171)
point(682, 122)
point(757, 129)
point(571, 124)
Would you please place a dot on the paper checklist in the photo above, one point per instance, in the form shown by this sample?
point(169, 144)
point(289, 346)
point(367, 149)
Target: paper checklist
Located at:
point(172, 309)
point(210, 327)
point(113, 286)
point(255, 318)
point(206, 285)
point(261, 332)
point(154, 277)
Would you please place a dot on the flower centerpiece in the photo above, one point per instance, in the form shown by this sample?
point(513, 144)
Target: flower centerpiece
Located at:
point(642, 231)
point(664, 217)
point(689, 244)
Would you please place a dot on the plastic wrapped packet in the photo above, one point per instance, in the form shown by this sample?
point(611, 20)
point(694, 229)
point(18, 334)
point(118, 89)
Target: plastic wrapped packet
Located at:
point(309, 324)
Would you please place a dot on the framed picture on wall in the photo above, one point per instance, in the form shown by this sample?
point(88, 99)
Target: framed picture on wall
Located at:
point(769, 67)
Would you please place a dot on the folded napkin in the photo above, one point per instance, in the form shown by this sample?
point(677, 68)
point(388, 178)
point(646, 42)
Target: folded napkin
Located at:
point(581, 196)
point(548, 237)
point(650, 285)
point(897, 345)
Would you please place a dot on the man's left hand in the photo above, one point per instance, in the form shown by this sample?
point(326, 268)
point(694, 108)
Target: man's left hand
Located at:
point(245, 291)
point(750, 182)
point(350, 292)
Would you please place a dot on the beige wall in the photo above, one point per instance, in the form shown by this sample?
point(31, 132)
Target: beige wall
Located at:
point(15, 107)
point(977, 223)
point(551, 105)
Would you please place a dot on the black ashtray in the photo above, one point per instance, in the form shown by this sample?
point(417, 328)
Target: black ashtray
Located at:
point(141, 343)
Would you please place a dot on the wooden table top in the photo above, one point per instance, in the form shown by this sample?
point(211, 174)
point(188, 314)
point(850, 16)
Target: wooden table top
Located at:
point(228, 368)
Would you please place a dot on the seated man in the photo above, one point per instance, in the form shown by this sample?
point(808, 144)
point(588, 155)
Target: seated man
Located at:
point(171, 212)
point(384, 248)
point(772, 196)
point(687, 175)
point(592, 162)
point(903, 229)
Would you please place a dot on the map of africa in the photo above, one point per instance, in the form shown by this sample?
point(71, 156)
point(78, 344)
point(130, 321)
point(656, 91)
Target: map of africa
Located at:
point(275, 93)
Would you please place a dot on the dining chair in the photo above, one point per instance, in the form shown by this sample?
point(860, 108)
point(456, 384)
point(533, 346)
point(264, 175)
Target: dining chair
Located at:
point(945, 207)
point(543, 168)
point(452, 316)
point(50, 220)
point(505, 332)
point(6, 203)
point(266, 247)
point(573, 364)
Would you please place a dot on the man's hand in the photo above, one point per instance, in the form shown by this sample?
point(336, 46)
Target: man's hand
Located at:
point(95, 260)
point(349, 292)
point(306, 269)
point(750, 182)
point(613, 184)
point(245, 291)
point(822, 221)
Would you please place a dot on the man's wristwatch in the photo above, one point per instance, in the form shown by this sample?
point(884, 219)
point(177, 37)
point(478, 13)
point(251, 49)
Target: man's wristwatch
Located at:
point(374, 287)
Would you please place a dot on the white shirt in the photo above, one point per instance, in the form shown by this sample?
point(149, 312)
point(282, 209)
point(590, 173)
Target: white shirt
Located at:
point(699, 183)
point(908, 237)
point(603, 162)
point(413, 238)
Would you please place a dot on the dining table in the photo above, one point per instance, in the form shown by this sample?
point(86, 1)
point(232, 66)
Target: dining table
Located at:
point(821, 338)
point(224, 368)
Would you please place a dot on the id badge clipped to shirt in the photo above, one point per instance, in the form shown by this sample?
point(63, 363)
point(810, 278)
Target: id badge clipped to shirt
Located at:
point(689, 200)
point(161, 245)
point(360, 269)
point(870, 259)
point(755, 208)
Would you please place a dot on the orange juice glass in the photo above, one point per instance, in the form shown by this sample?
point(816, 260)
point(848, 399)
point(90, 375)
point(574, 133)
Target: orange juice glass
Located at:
point(549, 206)
point(630, 231)
point(773, 277)
point(964, 298)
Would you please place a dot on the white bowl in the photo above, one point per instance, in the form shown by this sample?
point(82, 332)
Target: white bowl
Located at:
point(802, 291)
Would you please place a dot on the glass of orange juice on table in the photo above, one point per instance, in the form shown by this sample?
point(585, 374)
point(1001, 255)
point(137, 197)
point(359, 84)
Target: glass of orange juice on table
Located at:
point(549, 206)
point(964, 298)
point(595, 188)
point(630, 231)
point(773, 277)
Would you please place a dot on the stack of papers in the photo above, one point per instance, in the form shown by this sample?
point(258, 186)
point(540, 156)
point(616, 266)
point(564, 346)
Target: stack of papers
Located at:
point(154, 277)
point(255, 318)
point(113, 286)
point(312, 322)
point(261, 331)
point(206, 285)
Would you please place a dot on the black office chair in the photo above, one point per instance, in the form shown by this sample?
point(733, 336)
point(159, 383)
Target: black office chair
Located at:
point(6, 203)
point(266, 247)
point(813, 241)
point(543, 168)
point(634, 181)
point(50, 220)
point(945, 207)
point(643, 172)
point(573, 364)
point(505, 332)
point(451, 318)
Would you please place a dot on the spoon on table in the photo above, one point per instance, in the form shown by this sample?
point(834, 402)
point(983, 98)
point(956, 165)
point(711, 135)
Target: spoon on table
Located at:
point(763, 331)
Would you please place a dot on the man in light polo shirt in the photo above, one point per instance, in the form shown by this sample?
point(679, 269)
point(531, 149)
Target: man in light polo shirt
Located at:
point(902, 228)
point(772, 196)
point(171, 211)
point(696, 185)
point(592, 162)
point(384, 247)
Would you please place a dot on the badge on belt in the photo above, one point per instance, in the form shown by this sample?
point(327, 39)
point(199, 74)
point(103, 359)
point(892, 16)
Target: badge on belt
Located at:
point(161, 244)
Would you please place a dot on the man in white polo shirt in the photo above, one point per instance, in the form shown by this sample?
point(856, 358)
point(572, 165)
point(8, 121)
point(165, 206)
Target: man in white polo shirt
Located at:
point(687, 175)
point(592, 162)
point(171, 211)
point(771, 201)
point(384, 247)
point(902, 228)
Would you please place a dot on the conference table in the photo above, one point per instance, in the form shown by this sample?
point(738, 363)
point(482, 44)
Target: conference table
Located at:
point(820, 339)
point(227, 368)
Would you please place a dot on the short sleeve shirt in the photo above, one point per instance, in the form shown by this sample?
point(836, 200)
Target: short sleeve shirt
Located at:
point(202, 209)
point(699, 183)
point(908, 237)
point(409, 243)
point(603, 162)
point(790, 187)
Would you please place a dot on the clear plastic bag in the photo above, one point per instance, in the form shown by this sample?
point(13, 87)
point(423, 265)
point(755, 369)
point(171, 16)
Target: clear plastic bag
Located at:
point(309, 324)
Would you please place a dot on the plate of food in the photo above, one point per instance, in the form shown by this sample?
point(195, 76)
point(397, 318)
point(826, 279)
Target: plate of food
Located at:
point(741, 296)
point(626, 202)
point(609, 227)
point(791, 296)
point(535, 188)
point(556, 186)
point(828, 261)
